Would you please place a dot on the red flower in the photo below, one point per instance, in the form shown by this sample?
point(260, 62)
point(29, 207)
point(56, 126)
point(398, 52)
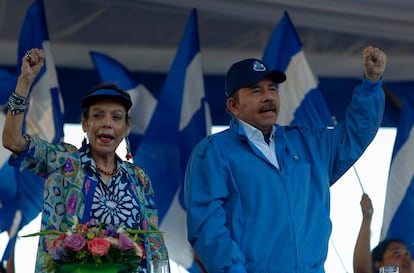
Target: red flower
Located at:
point(58, 241)
point(98, 246)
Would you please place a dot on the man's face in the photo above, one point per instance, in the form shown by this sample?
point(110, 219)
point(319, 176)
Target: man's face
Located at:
point(258, 105)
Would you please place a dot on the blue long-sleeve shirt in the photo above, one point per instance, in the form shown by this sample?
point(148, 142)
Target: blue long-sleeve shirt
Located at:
point(245, 215)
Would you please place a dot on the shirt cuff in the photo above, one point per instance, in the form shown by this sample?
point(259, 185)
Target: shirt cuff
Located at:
point(371, 86)
point(16, 160)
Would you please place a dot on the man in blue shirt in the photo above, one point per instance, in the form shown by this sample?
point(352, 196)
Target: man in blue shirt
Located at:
point(257, 194)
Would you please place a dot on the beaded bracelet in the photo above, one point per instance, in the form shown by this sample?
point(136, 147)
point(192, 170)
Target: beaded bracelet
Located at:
point(17, 104)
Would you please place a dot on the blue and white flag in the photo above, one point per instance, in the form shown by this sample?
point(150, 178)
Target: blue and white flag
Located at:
point(144, 102)
point(7, 190)
point(180, 120)
point(398, 218)
point(44, 118)
point(8, 182)
point(7, 84)
point(302, 99)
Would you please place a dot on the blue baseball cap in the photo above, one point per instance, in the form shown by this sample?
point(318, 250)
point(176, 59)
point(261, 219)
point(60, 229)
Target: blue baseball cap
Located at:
point(248, 72)
point(107, 94)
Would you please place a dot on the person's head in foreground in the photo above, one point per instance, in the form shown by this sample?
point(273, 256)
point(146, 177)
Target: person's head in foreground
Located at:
point(252, 94)
point(392, 252)
point(105, 118)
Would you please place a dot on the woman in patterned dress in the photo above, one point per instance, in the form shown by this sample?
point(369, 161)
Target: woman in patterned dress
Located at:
point(90, 183)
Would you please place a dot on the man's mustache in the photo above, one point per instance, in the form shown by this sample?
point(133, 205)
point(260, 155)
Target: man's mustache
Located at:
point(268, 107)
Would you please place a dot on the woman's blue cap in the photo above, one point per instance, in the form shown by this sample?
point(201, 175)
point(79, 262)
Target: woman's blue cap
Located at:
point(107, 94)
point(248, 72)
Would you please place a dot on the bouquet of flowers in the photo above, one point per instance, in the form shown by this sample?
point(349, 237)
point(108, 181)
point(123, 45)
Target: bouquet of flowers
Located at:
point(94, 244)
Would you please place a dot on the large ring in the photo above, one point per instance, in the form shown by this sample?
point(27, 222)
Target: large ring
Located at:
point(28, 55)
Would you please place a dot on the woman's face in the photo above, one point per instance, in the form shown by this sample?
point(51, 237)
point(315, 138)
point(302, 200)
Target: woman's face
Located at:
point(106, 127)
point(397, 254)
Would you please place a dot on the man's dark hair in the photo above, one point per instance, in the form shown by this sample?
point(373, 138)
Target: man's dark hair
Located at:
point(377, 254)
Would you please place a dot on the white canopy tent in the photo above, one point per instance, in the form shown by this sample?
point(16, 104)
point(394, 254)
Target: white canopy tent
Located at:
point(144, 35)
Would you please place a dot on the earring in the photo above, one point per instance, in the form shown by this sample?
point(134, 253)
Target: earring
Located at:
point(128, 155)
point(84, 141)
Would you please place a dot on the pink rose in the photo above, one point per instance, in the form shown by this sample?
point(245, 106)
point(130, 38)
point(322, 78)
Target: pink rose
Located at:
point(98, 246)
point(125, 243)
point(75, 242)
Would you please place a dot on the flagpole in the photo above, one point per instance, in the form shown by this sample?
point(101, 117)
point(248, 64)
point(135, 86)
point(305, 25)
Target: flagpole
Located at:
point(359, 180)
point(338, 255)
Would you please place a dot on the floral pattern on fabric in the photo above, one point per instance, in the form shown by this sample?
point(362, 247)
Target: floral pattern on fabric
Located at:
point(114, 203)
point(71, 186)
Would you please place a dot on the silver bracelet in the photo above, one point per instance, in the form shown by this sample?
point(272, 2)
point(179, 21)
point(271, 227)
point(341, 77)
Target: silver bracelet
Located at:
point(17, 104)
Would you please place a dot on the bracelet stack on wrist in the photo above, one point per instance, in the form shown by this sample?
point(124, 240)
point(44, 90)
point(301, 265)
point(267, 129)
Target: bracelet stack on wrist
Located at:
point(17, 104)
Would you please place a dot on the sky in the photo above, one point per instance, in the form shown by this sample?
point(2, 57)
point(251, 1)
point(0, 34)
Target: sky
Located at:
point(369, 174)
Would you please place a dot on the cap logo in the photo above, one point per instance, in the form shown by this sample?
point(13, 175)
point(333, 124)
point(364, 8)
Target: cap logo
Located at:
point(258, 66)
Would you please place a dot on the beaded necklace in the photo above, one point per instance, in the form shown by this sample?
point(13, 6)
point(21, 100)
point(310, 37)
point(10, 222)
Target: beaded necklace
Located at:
point(107, 173)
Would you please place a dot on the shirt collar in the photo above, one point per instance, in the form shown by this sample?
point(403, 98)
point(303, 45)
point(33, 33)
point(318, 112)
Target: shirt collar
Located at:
point(87, 160)
point(253, 133)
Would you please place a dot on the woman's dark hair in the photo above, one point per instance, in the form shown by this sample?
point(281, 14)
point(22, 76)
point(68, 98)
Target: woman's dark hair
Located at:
point(377, 254)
